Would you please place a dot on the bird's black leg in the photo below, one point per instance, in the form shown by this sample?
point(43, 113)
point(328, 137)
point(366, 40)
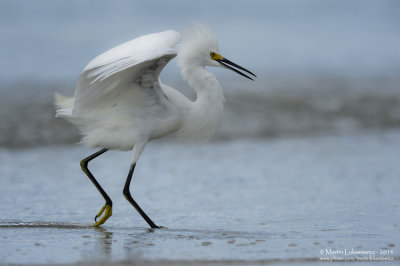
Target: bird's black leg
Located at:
point(108, 206)
point(128, 196)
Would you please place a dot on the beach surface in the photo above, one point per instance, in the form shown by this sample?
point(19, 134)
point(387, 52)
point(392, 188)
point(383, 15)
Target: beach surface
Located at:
point(242, 202)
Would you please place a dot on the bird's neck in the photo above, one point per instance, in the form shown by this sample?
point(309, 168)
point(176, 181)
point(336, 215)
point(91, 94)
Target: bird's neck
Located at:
point(204, 115)
point(206, 85)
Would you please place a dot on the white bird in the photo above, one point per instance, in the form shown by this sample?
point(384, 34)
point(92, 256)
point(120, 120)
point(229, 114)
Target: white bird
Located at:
point(120, 103)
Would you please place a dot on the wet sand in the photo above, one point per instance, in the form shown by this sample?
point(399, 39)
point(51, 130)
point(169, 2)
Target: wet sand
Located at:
point(243, 202)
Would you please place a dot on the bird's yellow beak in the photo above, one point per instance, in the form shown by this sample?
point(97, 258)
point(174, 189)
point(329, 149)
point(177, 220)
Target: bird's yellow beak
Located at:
point(229, 64)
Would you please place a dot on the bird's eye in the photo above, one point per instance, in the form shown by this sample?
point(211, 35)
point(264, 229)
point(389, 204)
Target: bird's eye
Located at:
point(212, 54)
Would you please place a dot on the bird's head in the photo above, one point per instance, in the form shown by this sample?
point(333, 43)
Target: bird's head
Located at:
point(200, 48)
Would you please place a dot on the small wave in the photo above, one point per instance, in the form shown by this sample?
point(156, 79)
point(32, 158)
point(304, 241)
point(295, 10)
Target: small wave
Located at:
point(57, 225)
point(292, 108)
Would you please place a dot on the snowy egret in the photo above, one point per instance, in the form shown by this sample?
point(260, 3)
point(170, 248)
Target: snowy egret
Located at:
point(120, 103)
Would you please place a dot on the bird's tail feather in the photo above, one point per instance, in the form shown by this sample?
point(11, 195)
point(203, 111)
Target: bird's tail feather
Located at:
point(64, 105)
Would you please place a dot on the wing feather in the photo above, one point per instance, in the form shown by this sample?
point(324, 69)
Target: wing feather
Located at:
point(133, 65)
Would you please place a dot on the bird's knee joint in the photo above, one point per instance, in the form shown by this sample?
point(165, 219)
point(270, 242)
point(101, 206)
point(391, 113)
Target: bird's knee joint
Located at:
point(126, 193)
point(84, 164)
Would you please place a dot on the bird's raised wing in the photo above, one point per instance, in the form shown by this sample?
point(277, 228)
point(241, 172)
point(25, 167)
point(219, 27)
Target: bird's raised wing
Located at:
point(137, 62)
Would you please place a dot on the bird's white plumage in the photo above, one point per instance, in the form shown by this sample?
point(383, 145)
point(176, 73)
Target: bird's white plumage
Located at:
point(199, 41)
point(123, 65)
point(119, 102)
point(135, 48)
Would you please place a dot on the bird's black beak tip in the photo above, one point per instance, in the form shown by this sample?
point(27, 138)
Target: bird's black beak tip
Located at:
point(228, 64)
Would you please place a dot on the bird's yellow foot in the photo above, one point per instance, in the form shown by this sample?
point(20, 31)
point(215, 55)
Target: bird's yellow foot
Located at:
point(108, 212)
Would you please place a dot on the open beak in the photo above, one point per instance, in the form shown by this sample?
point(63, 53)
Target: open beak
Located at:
point(228, 64)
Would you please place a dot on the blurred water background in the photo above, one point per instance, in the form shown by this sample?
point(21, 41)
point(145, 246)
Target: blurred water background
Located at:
point(312, 144)
point(324, 67)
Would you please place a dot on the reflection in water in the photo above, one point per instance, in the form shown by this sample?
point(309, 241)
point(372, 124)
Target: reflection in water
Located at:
point(103, 244)
point(135, 242)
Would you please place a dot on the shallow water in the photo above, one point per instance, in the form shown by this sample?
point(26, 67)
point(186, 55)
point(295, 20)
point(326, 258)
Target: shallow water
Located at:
point(286, 200)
